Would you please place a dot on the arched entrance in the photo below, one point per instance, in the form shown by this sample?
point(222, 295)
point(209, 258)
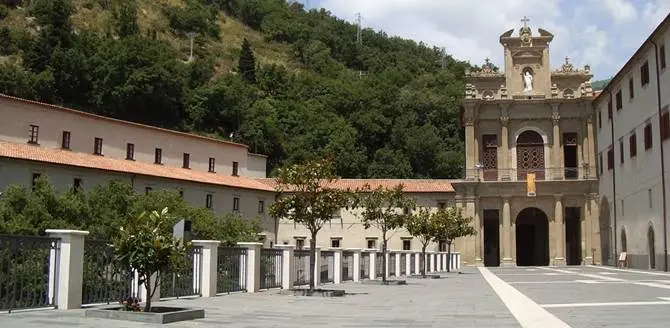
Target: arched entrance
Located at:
point(652, 248)
point(532, 238)
point(624, 240)
point(605, 234)
point(530, 155)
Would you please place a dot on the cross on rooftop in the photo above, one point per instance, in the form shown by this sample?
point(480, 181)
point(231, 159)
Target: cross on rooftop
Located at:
point(525, 21)
point(487, 60)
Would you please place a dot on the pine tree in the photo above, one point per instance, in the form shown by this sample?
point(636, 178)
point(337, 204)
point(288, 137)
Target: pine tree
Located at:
point(247, 63)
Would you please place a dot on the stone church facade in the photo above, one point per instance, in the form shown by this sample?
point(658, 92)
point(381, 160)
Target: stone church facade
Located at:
point(531, 179)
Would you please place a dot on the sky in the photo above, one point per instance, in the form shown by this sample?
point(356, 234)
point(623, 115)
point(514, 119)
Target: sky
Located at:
point(601, 33)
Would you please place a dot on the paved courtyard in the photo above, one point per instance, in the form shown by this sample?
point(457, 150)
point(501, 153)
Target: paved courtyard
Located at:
point(494, 297)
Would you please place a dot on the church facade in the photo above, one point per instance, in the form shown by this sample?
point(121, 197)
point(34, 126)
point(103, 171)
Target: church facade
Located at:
point(531, 180)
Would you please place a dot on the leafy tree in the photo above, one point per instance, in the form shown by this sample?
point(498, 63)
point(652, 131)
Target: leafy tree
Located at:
point(306, 198)
point(144, 245)
point(111, 206)
point(383, 209)
point(126, 17)
point(247, 63)
point(451, 224)
point(423, 225)
point(229, 228)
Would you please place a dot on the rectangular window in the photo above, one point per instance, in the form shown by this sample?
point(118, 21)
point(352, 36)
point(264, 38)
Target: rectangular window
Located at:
point(65, 141)
point(665, 124)
point(621, 158)
point(441, 205)
point(631, 89)
point(609, 109)
point(372, 244)
point(406, 244)
point(147, 190)
point(181, 193)
point(661, 55)
point(236, 167)
point(644, 73)
point(647, 137)
point(212, 163)
point(236, 204)
point(600, 120)
point(299, 243)
point(158, 156)
point(622, 211)
point(36, 176)
point(335, 242)
point(261, 206)
point(76, 184)
point(34, 134)
point(186, 162)
point(632, 145)
point(619, 102)
point(130, 151)
point(600, 162)
point(97, 146)
point(651, 203)
point(610, 158)
point(209, 201)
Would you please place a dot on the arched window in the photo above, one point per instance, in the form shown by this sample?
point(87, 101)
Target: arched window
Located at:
point(652, 248)
point(530, 155)
point(624, 241)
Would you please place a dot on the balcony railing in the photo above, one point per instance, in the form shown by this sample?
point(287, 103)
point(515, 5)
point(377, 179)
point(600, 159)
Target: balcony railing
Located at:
point(541, 174)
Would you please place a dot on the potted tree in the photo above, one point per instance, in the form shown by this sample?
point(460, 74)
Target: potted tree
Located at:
point(385, 210)
point(145, 244)
point(305, 197)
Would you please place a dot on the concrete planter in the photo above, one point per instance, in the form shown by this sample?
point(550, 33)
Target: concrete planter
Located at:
point(428, 276)
point(314, 293)
point(384, 283)
point(158, 314)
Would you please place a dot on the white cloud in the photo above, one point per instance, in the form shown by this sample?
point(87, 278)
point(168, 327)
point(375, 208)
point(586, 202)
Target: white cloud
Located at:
point(601, 33)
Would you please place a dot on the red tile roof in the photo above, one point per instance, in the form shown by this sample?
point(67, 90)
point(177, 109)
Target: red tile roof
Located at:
point(132, 124)
point(90, 161)
point(410, 185)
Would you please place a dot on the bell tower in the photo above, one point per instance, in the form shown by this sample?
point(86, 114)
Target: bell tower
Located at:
point(527, 64)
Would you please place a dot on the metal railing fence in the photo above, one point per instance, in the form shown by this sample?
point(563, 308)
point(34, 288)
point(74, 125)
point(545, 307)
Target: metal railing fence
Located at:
point(104, 281)
point(271, 268)
point(231, 270)
point(301, 267)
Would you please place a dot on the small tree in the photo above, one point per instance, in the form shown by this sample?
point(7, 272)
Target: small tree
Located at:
point(305, 198)
point(145, 245)
point(451, 224)
point(247, 63)
point(383, 209)
point(421, 225)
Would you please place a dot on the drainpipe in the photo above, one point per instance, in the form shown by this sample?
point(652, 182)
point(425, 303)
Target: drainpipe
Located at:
point(665, 216)
point(613, 178)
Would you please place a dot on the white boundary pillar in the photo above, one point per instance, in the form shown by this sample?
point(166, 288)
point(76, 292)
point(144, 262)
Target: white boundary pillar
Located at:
point(70, 268)
point(253, 269)
point(210, 257)
point(287, 266)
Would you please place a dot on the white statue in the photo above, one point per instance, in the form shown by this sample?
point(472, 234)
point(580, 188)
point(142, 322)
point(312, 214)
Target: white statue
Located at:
point(528, 81)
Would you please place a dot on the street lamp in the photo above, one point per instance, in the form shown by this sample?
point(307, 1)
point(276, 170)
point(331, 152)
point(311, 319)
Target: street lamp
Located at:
point(192, 36)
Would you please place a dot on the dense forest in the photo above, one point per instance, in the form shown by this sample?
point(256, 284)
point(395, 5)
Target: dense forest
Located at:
point(291, 83)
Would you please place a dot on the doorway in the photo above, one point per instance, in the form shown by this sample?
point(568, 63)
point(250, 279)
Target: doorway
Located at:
point(570, 155)
point(491, 238)
point(573, 234)
point(532, 238)
point(652, 248)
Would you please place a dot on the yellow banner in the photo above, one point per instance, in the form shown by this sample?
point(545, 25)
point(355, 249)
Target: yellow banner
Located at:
point(530, 184)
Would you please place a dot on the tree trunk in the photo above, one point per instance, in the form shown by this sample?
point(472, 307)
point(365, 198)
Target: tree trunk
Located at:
point(423, 261)
point(312, 262)
point(147, 285)
point(384, 266)
point(449, 257)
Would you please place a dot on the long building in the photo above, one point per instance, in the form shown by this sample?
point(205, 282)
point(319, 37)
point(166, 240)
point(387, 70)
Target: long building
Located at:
point(634, 157)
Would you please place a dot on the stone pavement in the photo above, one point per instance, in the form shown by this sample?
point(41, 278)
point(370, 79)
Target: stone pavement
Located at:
point(577, 297)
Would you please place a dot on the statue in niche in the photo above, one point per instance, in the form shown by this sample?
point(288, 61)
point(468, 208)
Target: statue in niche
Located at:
point(527, 81)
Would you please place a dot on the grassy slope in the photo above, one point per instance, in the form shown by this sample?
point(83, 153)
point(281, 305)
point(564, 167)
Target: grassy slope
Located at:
point(89, 15)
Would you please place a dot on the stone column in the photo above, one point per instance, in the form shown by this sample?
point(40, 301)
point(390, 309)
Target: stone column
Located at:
point(470, 143)
point(590, 141)
point(253, 269)
point(559, 231)
point(479, 237)
point(287, 266)
point(504, 144)
point(556, 162)
point(337, 257)
point(590, 216)
point(398, 264)
point(210, 253)
point(69, 268)
point(356, 266)
point(373, 264)
point(506, 232)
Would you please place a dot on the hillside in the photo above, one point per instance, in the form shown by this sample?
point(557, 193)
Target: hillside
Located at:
point(300, 88)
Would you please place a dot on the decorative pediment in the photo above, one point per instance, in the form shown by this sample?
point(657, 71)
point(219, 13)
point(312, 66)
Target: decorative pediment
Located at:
point(526, 53)
point(544, 32)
